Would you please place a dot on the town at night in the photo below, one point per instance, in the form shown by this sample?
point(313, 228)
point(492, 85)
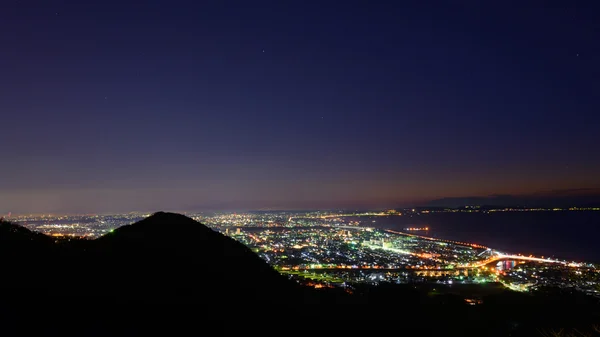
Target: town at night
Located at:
point(339, 249)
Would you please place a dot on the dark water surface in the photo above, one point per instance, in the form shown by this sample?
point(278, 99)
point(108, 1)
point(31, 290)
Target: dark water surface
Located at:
point(563, 234)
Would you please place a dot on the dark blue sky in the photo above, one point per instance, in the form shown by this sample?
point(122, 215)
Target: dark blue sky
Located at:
point(131, 105)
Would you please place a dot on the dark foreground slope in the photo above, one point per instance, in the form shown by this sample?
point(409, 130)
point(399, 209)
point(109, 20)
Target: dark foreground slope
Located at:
point(171, 272)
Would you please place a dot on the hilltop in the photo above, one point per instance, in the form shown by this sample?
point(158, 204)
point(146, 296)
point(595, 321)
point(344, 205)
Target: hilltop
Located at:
point(172, 257)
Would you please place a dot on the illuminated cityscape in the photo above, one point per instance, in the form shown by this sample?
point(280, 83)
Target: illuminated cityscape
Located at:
point(329, 249)
point(276, 167)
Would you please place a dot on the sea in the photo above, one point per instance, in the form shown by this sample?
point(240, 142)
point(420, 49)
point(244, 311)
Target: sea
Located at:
point(571, 235)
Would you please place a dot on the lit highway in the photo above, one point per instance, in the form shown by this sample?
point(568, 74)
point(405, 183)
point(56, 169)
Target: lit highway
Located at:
point(499, 256)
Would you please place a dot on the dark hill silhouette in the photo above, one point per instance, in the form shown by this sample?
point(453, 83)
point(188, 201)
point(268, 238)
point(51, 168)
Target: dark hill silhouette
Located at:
point(169, 271)
point(24, 253)
point(15, 239)
point(173, 257)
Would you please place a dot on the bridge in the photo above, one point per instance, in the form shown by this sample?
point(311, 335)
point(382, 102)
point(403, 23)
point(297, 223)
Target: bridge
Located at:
point(497, 256)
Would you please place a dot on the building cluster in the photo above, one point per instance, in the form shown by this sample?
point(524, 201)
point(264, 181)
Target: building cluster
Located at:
point(531, 276)
point(362, 254)
point(89, 226)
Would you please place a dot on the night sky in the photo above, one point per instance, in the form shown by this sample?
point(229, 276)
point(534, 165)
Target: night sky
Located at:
point(146, 105)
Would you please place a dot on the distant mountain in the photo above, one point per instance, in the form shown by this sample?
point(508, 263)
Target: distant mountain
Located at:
point(559, 198)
